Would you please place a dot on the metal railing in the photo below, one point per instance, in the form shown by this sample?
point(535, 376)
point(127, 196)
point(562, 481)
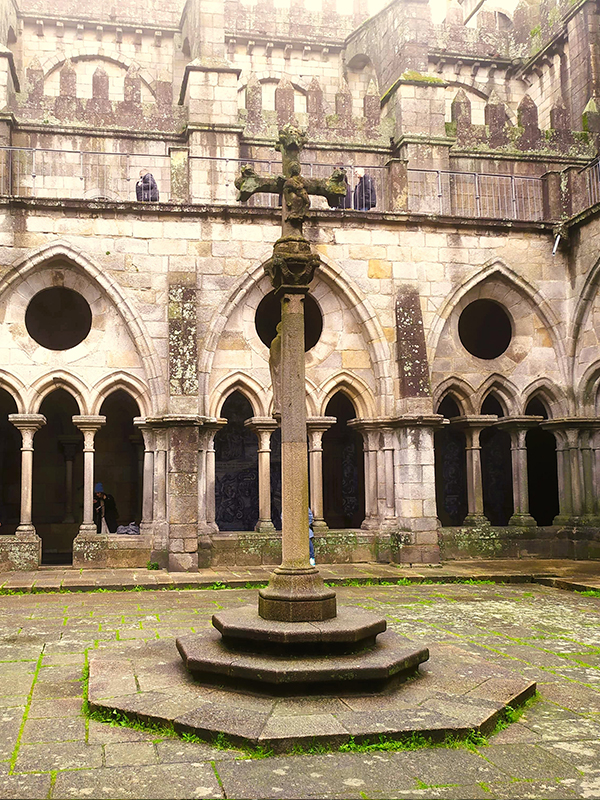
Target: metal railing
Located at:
point(591, 177)
point(472, 194)
point(84, 174)
point(77, 174)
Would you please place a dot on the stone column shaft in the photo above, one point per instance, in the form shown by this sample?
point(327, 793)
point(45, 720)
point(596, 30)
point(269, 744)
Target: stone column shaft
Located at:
point(296, 591)
point(263, 427)
point(316, 428)
point(89, 426)
point(472, 426)
point(27, 424)
point(517, 428)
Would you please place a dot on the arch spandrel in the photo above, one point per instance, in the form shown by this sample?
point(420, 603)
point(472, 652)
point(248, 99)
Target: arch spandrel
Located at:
point(130, 346)
point(537, 337)
point(346, 313)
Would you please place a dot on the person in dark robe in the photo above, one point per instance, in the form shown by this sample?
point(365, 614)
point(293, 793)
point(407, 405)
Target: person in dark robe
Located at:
point(105, 510)
point(146, 190)
point(365, 197)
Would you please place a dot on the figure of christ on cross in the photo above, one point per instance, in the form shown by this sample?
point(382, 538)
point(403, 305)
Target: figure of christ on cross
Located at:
point(291, 184)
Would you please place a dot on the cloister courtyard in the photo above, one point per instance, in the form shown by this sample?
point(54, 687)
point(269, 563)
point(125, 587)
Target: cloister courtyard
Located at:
point(512, 614)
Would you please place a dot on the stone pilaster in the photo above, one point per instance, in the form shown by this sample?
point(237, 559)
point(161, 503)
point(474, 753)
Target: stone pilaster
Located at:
point(146, 524)
point(263, 427)
point(27, 425)
point(371, 433)
point(182, 491)
point(415, 488)
point(316, 427)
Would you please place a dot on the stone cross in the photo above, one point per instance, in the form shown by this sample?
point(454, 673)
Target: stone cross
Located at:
point(296, 592)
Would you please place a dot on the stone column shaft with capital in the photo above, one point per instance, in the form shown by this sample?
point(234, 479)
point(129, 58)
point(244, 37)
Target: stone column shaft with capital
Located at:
point(316, 427)
point(27, 425)
point(89, 425)
point(263, 427)
point(472, 426)
point(518, 428)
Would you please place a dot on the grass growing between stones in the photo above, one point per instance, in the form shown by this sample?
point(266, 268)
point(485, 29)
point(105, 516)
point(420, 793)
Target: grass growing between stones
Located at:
point(590, 593)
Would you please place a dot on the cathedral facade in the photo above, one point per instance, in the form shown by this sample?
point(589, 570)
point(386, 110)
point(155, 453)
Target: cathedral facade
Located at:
point(452, 328)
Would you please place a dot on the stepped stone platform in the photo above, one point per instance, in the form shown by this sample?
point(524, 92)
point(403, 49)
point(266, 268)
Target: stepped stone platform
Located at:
point(450, 694)
point(290, 658)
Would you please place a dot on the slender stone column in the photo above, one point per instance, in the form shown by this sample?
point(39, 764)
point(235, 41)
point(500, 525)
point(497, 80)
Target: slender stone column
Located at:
point(517, 428)
point(89, 426)
point(371, 432)
point(296, 591)
point(390, 520)
point(563, 466)
point(27, 424)
point(263, 427)
point(472, 426)
point(147, 474)
point(70, 445)
point(316, 427)
point(211, 429)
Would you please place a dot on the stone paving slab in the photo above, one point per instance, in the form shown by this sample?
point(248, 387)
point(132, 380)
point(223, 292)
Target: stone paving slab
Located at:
point(512, 626)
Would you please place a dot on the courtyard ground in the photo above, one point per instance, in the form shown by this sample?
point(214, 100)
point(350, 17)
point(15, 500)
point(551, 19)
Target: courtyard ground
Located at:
point(48, 748)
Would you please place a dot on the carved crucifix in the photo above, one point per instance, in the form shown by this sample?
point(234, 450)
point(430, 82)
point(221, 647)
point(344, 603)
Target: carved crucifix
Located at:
point(294, 187)
point(296, 591)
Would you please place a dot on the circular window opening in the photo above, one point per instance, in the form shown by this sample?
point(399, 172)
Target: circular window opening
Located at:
point(268, 317)
point(58, 318)
point(484, 329)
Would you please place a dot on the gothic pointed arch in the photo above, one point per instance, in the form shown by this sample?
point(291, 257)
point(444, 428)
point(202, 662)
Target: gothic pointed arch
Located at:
point(61, 251)
point(58, 379)
point(246, 385)
point(16, 388)
point(460, 390)
point(134, 387)
point(354, 388)
point(532, 319)
point(551, 395)
point(504, 390)
point(82, 53)
point(331, 277)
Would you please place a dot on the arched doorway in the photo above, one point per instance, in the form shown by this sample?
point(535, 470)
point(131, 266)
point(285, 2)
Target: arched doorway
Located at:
point(10, 466)
point(450, 468)
point(57, 500)
point(236, 468)
point(118, 461)
point(542, 468)
point(343, 468)
point(496, 467)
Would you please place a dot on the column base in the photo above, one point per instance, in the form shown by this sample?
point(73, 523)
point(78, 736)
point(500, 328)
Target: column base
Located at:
point(522, 521)
point(296, 595)
point(87, 528)
point(27, 532)
point(320, 526)
point(264, 526)
point(370, 524)
point(475, 521)
point(564, 520)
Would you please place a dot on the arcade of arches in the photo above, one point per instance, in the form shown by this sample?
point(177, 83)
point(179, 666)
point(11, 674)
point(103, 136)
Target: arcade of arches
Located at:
point(490, 469)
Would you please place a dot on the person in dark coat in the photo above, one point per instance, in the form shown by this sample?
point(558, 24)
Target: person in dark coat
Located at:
point(146, 189)
point(365, 197)
point(105, 510)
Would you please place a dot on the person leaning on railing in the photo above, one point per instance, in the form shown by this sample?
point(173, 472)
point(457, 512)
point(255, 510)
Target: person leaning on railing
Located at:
point(146, 189)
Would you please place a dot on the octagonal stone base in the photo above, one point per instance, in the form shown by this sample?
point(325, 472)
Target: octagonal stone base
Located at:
point(453, 693)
